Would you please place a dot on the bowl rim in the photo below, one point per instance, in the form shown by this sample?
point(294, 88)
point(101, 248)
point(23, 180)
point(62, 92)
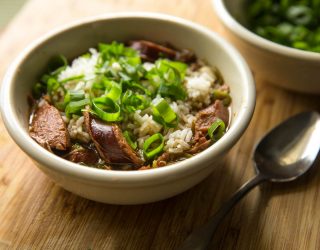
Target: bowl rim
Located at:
point(163, 174)
point(236, 27)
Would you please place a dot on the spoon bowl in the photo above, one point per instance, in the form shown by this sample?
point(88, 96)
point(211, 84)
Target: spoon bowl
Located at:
point(284, 154)
point(289, 150)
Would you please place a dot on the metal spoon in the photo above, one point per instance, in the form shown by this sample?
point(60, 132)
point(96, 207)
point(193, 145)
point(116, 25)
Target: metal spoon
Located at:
point(285, 153)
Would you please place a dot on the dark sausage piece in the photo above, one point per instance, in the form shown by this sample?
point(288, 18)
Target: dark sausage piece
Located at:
point(204, 119)
point(110, 142)
point(150, 51)
point(48, 128)
point(85, 155)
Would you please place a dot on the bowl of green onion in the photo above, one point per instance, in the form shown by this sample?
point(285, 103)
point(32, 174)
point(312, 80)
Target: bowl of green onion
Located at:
point(279, 39)
point(123, 109)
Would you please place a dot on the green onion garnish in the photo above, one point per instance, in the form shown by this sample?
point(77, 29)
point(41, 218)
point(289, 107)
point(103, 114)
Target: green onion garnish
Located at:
point(216, 130)
point(114, 92)
point(106, 109)
point(52, 85)
point(75, 107)
point(153, 146)
point(135, 86)
point(37, 90)
point(163, 114)
point(167, 76)
point(222, 95)
point(133, 144)
point(72, 78)
point(132, 102)
point(73, 95)
point(293, 23)
point(172, 91)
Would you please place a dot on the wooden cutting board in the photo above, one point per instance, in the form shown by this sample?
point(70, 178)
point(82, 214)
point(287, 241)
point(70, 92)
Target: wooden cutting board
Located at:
point(37, 214)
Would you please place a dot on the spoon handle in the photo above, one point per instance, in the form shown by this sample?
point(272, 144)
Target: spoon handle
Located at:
point(201, 237)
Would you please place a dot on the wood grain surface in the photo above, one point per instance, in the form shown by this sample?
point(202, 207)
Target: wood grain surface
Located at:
point(37, 214)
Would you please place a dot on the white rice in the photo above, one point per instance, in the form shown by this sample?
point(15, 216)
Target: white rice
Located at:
point(145, 125)
point(183, 110)
point(81, 66)
point(178, 141)
point(77, 130)
point(199, 85)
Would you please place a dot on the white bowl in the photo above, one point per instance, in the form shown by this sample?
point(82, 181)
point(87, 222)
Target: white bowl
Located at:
point(286, 67)
point(132, 187)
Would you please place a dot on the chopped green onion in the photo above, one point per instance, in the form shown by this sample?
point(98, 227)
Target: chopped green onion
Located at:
point(299, 14)
point(180, 66)
point(103, 83)
point(163, 114)
point(172, 91)
point(216, 130)
point(293, 23)
point(110, 53)
point(106, 109)
point(167, 76)
point(73, 95)
point(116, 50)
point(75, 107)
point(52, 85)
point(131, 69)
point(135, 86)
point(107, 88)
point(222, 95)
point(45, 78)
point(128, 138)
point(164, 65)
point(37, 90)
point(114, 92)
point(54, 90)
point(153, 146)
point(171, 85)
point(72, 78)
point(132, 102)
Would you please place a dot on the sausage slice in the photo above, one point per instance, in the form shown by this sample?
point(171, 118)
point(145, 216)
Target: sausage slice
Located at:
point(150, 51)
point(110, 142)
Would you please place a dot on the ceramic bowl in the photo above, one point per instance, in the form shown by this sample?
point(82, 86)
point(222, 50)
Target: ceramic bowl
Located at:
point(283, 66)
point(126, 187)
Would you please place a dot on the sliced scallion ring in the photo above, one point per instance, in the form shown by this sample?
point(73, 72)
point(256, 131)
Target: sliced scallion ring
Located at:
point(163, 114)
point(216, 130)
point(153, 145)
point(115, 92)
point(106, 109)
